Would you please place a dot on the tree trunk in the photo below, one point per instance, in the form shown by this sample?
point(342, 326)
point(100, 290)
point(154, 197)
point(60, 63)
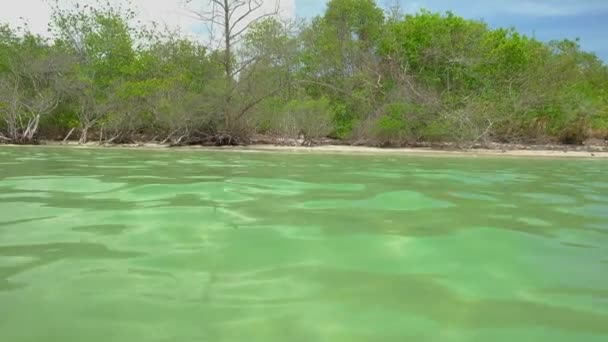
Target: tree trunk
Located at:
point(83, 134)
point(69, 134)
point(32, 127)
point(227, 66)
point(228, 57)
point(12, 114)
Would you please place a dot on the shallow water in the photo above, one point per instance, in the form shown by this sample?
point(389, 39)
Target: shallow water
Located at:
point(119, 245)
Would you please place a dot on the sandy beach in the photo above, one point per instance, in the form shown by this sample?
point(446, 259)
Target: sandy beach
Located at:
point(528, 152)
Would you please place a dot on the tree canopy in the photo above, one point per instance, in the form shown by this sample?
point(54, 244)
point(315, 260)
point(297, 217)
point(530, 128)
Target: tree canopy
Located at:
point(356, 72)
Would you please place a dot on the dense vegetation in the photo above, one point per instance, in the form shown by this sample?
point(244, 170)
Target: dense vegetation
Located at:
point(357, 73)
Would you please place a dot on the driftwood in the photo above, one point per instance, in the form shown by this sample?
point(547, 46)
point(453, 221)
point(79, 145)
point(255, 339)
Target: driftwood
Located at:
point(68, 135)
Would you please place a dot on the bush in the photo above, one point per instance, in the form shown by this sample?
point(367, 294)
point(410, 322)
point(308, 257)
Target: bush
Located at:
point(436, 131)
point(308, 117)
point(342, 121)
point(266, 114)
point(472, 123)
point(392, 128)
point(599, 124)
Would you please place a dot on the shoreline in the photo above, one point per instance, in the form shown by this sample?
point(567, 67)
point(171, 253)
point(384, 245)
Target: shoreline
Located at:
point(556, 151)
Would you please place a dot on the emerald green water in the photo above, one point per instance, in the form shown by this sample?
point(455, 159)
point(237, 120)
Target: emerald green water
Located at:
point(118, 245)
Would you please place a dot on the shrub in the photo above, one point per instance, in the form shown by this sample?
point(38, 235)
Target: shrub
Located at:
point(392, 127)
point(307, 117)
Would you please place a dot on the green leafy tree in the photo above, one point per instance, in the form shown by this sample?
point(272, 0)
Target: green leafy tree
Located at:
point(31, 83)
point(101, 39)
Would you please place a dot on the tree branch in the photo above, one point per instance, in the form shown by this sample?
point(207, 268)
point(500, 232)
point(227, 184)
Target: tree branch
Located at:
point(257, 19)
point(246, 14)
point(245, 109)
point(236, 6)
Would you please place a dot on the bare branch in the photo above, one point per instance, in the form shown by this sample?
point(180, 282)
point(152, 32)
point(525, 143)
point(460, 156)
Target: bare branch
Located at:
point(255, 102)
point(234, 8)
point(247, 13)
point(244, 65)
point(210, 16)
point(249, 24)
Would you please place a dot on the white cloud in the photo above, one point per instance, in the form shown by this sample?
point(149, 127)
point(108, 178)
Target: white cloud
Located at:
point(540, 8)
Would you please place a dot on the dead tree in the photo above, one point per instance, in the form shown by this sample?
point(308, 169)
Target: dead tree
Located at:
point(233, 18)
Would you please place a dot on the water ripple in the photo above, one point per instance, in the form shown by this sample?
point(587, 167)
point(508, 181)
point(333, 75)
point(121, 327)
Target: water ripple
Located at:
point(214, 246)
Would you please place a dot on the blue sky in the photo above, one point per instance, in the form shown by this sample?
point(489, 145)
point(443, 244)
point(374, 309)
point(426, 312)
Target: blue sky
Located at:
point(545, 19)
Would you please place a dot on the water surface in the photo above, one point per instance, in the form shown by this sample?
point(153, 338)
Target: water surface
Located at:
point(133, 245)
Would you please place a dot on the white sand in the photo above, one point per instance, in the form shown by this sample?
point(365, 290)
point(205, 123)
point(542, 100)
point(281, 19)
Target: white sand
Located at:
point(354, 150)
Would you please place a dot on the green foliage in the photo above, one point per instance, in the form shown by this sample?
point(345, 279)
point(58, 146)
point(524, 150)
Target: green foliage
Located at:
point(439, 48)
point(360, 20)
point(354, 72)
point(393, 126)
point(305, 117)
point(343, 120)
point(311, 118)
point(31, 83)
point(396, 124)
point(267, 114)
